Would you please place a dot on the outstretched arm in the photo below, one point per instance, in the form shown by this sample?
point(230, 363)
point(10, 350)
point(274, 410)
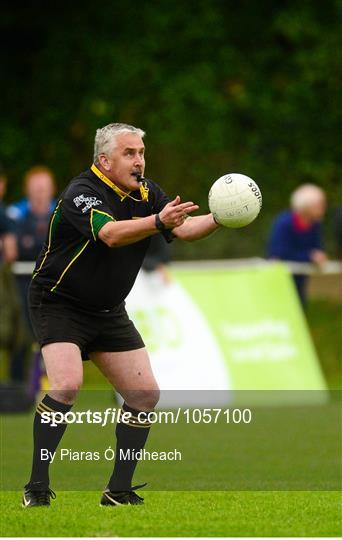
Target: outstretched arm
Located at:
point(195, 228)
point(125, 232)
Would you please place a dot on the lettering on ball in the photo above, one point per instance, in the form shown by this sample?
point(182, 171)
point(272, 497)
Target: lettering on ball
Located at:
point(256, 192)
point(228, 179)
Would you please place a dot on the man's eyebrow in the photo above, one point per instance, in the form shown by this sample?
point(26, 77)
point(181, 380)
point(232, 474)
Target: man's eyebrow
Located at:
point(134, 148)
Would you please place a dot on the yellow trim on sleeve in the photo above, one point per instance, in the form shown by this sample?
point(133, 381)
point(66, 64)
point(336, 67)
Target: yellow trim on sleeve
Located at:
point(104, 213)
point(91, 219)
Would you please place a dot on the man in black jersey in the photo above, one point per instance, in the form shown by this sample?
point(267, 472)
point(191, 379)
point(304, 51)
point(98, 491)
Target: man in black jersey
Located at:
point(98, 236)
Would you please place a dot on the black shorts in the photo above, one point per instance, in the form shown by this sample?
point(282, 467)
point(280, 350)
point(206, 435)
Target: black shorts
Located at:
point(55, 319)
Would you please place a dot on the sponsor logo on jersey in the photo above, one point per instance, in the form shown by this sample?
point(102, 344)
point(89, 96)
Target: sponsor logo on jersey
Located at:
point(89, 202)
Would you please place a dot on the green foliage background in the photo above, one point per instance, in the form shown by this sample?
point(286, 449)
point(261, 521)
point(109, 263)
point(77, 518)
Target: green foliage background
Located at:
point(219, 86)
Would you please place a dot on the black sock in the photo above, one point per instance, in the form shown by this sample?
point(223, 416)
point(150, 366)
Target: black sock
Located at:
point(46, 437)
point(130, 437)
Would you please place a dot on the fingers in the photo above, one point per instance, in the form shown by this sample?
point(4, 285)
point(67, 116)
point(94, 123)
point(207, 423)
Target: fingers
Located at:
point(182, 211)
point(182, 207)
point(180, 217)
point(187, 208)
point(175, 201)
point(175, 212)
point(178, 222)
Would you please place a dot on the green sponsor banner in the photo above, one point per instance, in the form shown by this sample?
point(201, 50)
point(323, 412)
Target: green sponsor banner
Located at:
point(258, 323)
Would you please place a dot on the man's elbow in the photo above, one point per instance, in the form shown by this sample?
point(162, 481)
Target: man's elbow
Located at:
point(110, 238)
point(113, 243)
point(190, 239)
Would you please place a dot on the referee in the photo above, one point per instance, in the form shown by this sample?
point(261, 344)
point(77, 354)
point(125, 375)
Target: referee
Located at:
point(98, 236)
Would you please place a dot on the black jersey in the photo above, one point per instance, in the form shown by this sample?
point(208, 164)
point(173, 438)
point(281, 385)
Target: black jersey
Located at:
point(74, 263)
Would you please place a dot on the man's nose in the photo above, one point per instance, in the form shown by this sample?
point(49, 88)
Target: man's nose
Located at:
point(139, 160)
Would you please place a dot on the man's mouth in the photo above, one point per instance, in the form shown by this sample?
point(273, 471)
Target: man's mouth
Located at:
point(137, 174)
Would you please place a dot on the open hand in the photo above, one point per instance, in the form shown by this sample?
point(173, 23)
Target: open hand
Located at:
point(175, 212)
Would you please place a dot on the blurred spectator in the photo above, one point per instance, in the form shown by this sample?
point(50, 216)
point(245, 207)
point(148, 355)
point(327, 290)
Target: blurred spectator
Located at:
point(31, 225)
point(39, 186)
point(12, 333)
point(296, 233)
point(8, 251)
point(33, 220)
point(337, 222)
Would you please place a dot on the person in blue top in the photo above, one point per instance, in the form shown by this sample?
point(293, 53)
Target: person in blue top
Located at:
point(296, 234)
point(31, 220)
point(8, 241)
point(39, 185)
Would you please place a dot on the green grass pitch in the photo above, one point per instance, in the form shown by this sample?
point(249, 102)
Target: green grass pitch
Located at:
point(168, 513)
point(187, 513)
point(178, 514)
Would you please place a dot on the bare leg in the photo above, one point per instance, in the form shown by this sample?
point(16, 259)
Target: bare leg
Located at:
point(64, 369)
point(131, 374)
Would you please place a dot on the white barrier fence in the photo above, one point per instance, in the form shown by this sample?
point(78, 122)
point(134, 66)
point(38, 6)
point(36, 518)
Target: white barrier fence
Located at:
point(328, 268)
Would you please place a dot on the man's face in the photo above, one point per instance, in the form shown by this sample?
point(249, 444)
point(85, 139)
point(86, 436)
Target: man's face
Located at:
point(126, 159)
point(314, 211)
point(317, 210)
point(3, 184)
point(40, 189)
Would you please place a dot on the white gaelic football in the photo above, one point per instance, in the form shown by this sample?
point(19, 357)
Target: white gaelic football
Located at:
point(234, 200)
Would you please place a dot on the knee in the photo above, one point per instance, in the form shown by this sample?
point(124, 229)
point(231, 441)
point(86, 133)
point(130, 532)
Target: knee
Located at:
point(65, 391)
point(143, 400)
point(151, 399)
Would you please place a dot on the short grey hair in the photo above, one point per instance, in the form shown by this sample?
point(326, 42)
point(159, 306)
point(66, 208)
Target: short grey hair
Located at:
point(306, 195)
point(105, 138)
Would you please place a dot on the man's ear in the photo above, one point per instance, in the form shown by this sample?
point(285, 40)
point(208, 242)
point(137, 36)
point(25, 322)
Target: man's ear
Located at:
point(104, 162)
